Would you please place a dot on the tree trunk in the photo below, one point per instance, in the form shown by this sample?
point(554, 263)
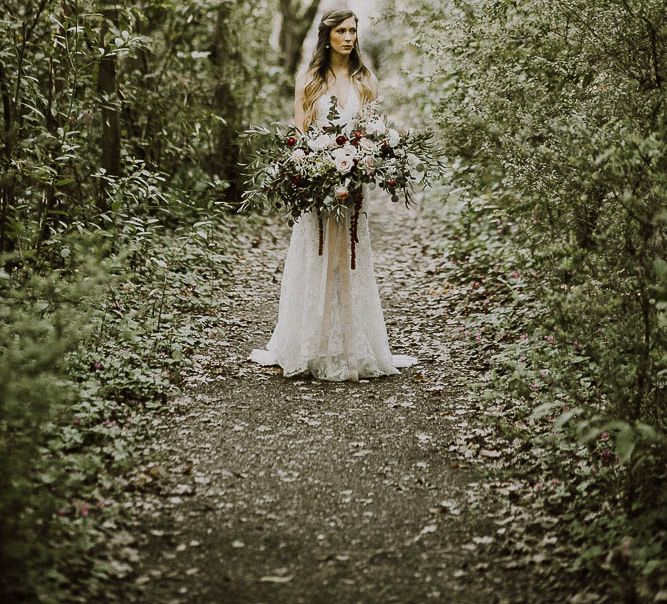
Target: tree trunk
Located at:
point(296, 22)
point(7, 178)
point(108, 89)
point(225, 55)
point(49, 201)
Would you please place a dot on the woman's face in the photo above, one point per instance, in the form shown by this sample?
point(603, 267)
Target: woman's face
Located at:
point(343, 36)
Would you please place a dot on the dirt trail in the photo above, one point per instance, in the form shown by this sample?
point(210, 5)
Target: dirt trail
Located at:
point(281, 490)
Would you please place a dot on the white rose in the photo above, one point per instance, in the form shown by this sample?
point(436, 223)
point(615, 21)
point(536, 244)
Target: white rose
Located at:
point(393, 137)
point(344, 163)
point(376, 127)
point(323, 141)
point(367, 145)
point(346, 150)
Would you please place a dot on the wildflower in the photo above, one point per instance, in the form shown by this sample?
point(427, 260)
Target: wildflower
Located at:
point(626, 546)
point(81, 507)
point(298, 155)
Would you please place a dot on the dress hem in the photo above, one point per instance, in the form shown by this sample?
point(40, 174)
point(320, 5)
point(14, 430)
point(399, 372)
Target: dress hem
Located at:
point(269, 358)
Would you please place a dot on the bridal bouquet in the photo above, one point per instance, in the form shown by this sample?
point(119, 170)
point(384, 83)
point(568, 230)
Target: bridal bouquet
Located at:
point(324, 169)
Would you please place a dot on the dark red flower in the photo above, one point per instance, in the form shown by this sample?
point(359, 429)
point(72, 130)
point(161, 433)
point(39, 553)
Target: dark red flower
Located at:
point(341, 139)
point(392, 182)
point(291, 141)
point(296, 179)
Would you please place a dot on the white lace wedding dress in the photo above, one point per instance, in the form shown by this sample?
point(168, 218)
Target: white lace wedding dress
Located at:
point(330, 321)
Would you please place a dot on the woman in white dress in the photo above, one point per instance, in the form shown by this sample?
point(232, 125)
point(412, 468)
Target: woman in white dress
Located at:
point(330, 322)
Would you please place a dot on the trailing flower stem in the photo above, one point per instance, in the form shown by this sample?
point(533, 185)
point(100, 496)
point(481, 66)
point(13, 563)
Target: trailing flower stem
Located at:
point(320, 225)
point(358, 197)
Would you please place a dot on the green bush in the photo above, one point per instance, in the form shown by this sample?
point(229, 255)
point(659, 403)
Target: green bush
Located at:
point(553, 117)
point(42, 319)
point(87, 353)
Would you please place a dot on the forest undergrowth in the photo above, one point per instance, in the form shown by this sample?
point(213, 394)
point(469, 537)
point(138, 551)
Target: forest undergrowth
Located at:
point(568, 511)
point(89, 351)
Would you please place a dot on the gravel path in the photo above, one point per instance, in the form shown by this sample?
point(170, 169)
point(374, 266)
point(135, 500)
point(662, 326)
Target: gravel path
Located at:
point(272, 490)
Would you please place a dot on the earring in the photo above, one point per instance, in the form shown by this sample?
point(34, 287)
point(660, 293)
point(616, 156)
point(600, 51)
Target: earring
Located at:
point(327, 46)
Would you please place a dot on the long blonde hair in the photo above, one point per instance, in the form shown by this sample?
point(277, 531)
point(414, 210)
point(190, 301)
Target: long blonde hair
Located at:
point(320, 64)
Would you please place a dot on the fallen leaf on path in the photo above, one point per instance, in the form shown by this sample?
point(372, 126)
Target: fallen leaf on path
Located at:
point(275, 579)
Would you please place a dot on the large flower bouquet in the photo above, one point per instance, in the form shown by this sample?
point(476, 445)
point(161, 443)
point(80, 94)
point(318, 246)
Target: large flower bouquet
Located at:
point(324, 169)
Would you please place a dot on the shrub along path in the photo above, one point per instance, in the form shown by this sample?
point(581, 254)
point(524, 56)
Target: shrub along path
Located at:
point(255, 488)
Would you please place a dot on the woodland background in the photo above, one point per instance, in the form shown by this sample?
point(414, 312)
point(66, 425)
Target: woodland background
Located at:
point(119, 179)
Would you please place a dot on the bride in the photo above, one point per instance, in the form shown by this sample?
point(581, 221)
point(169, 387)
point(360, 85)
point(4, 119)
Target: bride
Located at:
point(330, 322)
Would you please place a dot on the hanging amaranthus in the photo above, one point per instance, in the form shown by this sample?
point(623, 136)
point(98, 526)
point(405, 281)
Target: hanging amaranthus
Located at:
point(358, 198)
